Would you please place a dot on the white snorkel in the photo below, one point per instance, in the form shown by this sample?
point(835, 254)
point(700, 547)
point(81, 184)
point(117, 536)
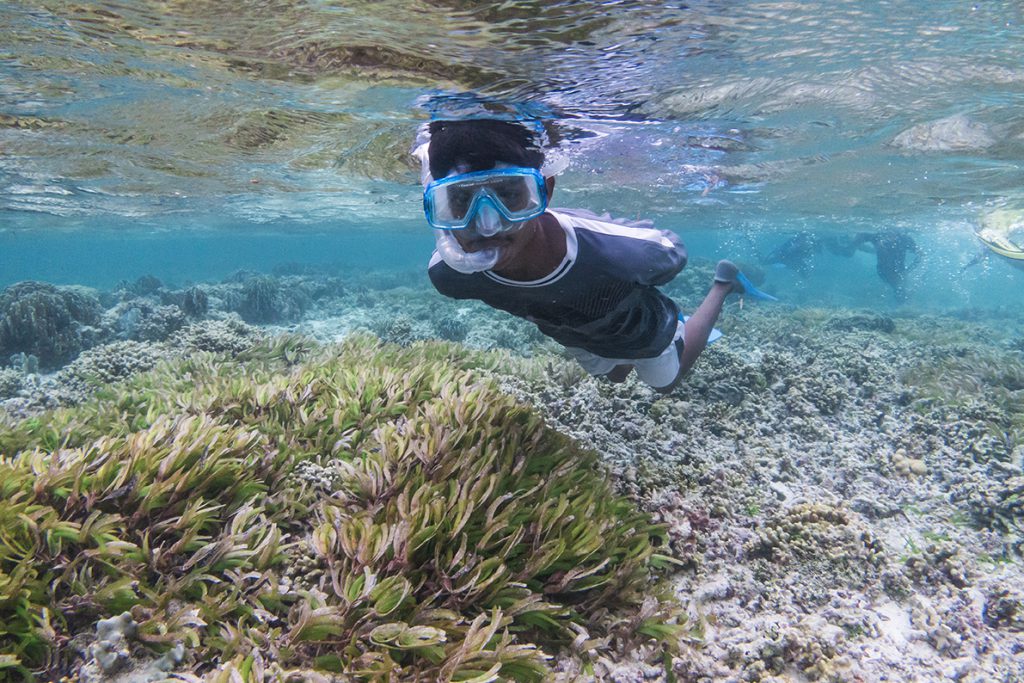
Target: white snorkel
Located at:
point(448, 248)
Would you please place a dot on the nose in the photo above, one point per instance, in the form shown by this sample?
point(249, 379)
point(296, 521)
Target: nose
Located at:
point(488, 221)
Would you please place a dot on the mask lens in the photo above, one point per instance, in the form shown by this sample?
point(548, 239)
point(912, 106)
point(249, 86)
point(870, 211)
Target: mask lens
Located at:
point(518, 194)
point(460, 198)
point(514, 193)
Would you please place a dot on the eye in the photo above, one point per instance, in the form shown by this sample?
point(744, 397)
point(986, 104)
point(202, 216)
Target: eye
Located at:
point(513, 193)
point(459, 199)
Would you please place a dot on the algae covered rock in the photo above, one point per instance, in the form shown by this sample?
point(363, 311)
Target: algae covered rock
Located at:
point(449, 533)
point(10, 382)
point(46, 321)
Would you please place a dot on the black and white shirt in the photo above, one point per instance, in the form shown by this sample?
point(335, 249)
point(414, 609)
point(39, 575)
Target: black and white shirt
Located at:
point(603, 297)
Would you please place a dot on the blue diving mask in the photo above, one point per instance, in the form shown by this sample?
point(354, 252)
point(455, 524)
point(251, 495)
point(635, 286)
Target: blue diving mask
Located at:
point(496, 200)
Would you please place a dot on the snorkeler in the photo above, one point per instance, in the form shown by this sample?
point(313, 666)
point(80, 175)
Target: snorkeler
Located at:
point(585, 281)
point(891, 251)
point(797, 253)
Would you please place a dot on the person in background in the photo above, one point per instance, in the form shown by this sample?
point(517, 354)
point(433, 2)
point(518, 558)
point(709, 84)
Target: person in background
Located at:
point(798, 253)
point(587, 282)
point(892, 249)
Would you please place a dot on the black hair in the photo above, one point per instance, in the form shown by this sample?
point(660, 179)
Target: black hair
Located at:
point(481, 143)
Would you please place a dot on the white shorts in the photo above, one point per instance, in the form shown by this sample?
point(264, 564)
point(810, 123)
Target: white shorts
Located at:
point(658, 372)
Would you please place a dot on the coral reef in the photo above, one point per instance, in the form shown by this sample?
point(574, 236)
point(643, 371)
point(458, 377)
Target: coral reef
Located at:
point(51, 323)
point(195, 302)
point(1004, 608)
point(142, 320)
point(107, 364)
point(815, 531)
point(939, 563)
point(10, 382)
point(229, 335)
point(109, 652)
point(783, 419)
point(399, 329)
point(110, 657)
point(111, 363)
point(144, 285)
point(452, 328)
point(264, 299)
point(462, 538)
point(996, 504)
point(867, 322)
point(840, 490)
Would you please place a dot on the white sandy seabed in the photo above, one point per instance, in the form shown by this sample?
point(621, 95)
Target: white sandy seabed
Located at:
point(845, 488)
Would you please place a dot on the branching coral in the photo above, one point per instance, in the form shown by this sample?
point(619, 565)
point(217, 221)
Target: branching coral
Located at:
point(816, 531)
point(217, 336)
point(113, 362)
point(464, 539)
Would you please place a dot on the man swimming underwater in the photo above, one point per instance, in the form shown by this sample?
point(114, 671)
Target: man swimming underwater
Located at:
point(587, 282)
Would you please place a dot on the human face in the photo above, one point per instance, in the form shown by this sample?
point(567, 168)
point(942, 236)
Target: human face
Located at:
point(512, 244)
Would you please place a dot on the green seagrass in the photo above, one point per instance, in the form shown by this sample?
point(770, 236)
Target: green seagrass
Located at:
point(379, 512)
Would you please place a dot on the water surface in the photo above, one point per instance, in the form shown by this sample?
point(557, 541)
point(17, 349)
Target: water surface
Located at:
point(232, 129)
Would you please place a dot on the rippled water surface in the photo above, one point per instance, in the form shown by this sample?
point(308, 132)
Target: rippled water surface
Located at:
point(736, 124)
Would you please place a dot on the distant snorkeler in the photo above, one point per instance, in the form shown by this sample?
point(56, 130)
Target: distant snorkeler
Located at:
point(797, 253)
point(892, 249)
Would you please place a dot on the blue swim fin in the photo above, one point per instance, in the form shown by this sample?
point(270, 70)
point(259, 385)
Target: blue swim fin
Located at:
point(750, 290)
point(715, 332)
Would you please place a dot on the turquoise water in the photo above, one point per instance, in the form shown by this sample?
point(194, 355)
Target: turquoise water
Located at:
point(191, 140)
point(842, 491)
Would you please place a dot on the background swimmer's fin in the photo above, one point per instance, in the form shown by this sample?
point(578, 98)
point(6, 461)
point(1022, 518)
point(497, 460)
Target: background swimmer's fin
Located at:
point(978, 258)
point(715, 332)
point(726, 272)
point(752, 291)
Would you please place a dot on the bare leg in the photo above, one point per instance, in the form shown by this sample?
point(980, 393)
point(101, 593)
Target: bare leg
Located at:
point(698, 327)
point(619, 373)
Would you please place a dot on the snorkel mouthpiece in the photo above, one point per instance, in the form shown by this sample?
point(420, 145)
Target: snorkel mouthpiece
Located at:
point(452, 253)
